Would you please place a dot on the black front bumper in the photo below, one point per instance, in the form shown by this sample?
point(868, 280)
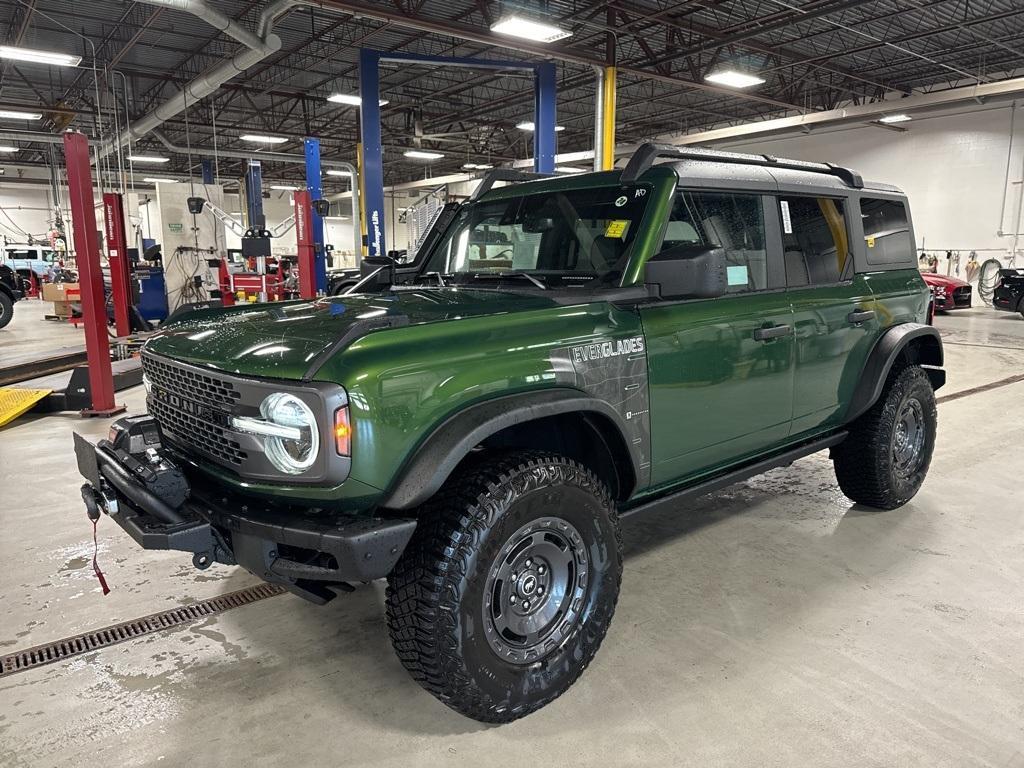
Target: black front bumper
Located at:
point(1004, 301)
point(301, 549)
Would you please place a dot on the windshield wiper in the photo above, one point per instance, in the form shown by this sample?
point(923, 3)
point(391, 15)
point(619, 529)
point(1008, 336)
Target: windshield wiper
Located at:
point(503, 275)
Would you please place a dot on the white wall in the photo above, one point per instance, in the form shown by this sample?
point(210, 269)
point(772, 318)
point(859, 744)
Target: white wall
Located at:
point(26, 209)
point(178, 230)
point(952, 167)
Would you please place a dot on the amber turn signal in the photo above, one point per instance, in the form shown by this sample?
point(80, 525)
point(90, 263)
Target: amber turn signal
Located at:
point(342, 432)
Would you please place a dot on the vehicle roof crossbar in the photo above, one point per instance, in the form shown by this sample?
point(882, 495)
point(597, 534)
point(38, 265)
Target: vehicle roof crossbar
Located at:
point(645, 156)
point(504, 174)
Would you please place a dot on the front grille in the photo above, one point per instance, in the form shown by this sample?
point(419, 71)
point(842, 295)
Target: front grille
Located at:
point(207, 389)
point(191, 430)
point(962, 296)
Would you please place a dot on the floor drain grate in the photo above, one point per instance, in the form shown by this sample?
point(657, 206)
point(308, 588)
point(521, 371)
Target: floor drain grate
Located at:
point(129, 630)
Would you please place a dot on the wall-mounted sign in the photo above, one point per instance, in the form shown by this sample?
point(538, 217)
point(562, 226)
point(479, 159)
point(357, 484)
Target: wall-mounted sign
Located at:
point(175, 227)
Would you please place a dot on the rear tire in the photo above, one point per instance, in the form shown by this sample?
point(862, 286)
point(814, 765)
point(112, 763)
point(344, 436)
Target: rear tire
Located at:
point(6, 309)
point(508, 586)
point(340, 288)
point(885, 459)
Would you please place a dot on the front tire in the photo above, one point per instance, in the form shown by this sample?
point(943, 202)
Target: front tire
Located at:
point(885, 459)
point(508, 586)
point(6, 309)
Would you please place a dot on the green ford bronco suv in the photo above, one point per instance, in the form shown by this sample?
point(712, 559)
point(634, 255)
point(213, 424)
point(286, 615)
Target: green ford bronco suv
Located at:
point(561, 354)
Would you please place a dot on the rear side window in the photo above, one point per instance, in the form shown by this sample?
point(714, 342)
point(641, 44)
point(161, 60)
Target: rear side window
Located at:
point(732, 222)
point(815, 242)
point(887, 236)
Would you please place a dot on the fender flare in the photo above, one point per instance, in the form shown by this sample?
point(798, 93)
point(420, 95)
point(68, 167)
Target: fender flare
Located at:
point(885, 352)
point(436, 457)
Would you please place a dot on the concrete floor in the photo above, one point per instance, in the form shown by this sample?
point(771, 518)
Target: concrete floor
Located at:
point(771, 625)
point(29, 336)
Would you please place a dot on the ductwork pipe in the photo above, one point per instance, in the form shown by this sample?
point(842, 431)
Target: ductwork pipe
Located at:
point(276, 10)
point(41, 138)
point(238, 154)
point(259, 47)
point(215, 19)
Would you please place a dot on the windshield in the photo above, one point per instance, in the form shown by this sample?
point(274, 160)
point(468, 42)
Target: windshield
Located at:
point(569, 235)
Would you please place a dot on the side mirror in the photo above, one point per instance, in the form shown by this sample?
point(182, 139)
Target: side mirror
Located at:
point(687, 272)
point(377, 273)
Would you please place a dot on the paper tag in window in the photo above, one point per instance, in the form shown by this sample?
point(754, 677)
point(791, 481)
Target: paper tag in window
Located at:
point(736, 275)
point(616, 228)
point(787, 222)
point(870, 241)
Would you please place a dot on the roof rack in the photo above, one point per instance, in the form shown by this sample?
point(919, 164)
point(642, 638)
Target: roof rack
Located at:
point(645, 156)
point(504, 174)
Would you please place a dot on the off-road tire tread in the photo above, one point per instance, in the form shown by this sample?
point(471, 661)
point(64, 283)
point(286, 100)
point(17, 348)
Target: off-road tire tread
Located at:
point(422, 600)
point(6, 309)
point(860, 461)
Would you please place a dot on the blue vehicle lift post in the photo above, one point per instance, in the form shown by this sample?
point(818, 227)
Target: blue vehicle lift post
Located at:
point(545, 145)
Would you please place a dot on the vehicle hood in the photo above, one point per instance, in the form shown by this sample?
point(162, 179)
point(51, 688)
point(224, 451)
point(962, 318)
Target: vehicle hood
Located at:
point(282, 340)
point(946, 281)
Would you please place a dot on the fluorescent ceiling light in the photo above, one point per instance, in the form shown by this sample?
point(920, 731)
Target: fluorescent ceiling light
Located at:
point(901, 118)
point(14, 114)
point(477, 167)
point(8, 149)
point(351, 99)
point(529, 126)
point(733, 79)
point(419, 154)
point(258, 139)
point(284, 187)
point(529, 29)
point(148, 159)
point(157, 180)
point(336, 172)
point(39, 57)
point(569, 169)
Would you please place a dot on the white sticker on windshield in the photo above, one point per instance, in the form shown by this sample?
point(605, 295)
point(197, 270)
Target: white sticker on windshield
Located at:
point(787, 222)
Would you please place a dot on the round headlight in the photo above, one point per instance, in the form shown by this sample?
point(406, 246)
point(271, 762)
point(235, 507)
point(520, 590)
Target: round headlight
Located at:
point(288, 455)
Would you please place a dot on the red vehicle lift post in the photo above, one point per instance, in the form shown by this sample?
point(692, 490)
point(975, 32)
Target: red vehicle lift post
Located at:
point(305, 244)
point(90, 276)
point(117, 257)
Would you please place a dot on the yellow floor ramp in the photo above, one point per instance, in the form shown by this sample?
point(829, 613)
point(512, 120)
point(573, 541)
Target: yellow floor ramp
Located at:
point(15, 401)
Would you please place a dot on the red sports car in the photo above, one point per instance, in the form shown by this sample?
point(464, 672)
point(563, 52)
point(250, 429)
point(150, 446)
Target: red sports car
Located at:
point(949, 292)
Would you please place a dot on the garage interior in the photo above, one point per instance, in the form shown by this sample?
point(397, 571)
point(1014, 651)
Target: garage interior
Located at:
point(773, 622)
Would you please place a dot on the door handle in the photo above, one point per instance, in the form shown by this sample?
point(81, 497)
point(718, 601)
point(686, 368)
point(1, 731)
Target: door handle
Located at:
point(772, 332)
point(859, 316)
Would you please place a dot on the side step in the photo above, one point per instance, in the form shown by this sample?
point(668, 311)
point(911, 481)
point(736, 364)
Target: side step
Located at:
point(736, 475)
